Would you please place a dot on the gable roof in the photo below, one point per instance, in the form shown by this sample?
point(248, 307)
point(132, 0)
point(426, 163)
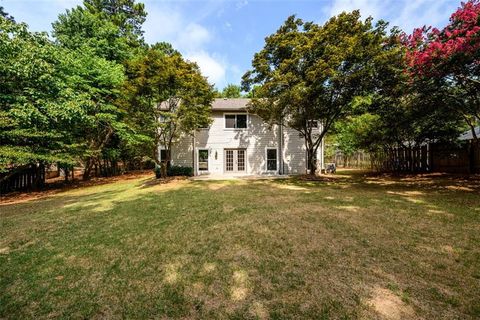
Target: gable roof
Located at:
point(222, 104)
point(230, 104)
point(467, 135)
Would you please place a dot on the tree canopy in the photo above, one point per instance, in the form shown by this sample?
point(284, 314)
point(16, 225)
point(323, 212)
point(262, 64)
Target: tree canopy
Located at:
point(169, 96)
point(448, 60)
point(231, 91)
point(310, 72)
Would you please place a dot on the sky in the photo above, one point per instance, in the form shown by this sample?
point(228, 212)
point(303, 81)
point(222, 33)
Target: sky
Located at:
point(223, 36)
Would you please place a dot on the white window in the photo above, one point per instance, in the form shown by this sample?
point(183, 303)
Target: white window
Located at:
point(235, 121)
point(202, 160)
point(272, 159)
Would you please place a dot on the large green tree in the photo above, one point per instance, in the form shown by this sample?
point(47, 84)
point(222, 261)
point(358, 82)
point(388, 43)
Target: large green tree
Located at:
point(35, 108)
point(102, 44)
point(167, 97)
point(231, 91)
point(79, 29)
point(125, 14)
point(307, 72)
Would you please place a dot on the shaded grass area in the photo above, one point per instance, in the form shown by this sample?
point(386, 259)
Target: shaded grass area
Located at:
point(351, 247)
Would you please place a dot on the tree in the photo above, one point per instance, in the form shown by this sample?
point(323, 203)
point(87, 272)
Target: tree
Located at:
point(166, 97)
point(78, 29)
point(231, 91)
point(6, 15)
point(448, 61)
point(308, 72)
point(37, 107)
point(99, 82)
point(100, 48)
point(127, 15)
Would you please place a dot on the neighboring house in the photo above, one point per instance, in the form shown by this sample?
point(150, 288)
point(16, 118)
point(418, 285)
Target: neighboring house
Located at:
point(467, 135)
point(240, 143)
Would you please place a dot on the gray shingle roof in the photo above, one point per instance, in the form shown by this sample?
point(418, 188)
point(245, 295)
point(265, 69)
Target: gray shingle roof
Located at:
point(222, 104)
point(230, 104)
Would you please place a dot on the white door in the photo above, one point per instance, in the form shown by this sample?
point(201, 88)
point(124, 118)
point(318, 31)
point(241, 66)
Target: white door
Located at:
point(235, 160)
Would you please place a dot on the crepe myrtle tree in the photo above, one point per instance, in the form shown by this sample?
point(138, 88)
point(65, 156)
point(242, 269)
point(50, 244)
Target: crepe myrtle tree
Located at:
point(307, 72)
point(168, 97)
point(450, 59)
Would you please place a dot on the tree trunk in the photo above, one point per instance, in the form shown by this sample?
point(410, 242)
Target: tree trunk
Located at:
point(312, 161)
point(88, 169)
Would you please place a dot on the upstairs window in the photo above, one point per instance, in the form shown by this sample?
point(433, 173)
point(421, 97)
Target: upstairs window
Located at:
point(235, 121)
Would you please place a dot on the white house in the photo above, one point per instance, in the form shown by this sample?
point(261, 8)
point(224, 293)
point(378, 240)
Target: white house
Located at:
point(240, 143)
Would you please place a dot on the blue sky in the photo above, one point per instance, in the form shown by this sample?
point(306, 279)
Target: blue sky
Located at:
point(222, 36)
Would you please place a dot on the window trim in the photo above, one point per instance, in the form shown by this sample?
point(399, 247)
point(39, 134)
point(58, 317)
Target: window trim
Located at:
point(235, 114)
point(276, 159)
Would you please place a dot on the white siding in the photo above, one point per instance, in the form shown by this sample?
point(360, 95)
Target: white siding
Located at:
point(255, 139)
point(294, 152)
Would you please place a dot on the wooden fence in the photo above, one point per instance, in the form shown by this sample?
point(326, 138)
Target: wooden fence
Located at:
point(433, 157)
point(464, 158)
point(27, 178)
point(359, 159)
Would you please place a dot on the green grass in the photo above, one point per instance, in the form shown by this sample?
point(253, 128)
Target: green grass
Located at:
point(352, 247)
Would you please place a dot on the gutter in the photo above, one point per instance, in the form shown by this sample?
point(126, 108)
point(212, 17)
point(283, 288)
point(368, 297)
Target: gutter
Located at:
point(281, 169)
point(193, 155)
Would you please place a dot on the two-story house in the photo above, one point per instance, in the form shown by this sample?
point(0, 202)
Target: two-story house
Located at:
point(240, 143)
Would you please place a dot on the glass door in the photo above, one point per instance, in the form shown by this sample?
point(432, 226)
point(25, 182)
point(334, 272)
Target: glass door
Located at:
point(235, 160)
point(229, 160)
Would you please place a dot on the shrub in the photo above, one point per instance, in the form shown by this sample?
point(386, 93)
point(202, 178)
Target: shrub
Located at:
point(180, 171)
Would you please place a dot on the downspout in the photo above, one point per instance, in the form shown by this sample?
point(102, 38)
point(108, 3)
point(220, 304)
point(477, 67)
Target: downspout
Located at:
point(281, 169)
point(193, 154)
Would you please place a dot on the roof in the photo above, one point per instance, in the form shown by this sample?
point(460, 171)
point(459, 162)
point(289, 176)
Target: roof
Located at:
point(230, 104)
point(222, 104)
point(467, 135)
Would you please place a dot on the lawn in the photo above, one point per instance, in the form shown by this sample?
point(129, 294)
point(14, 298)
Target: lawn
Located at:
point(349, 247)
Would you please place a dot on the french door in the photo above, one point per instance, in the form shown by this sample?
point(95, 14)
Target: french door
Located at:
point(235, 160)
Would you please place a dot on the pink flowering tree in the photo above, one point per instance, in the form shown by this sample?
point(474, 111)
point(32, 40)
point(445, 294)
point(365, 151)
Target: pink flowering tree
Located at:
point(450, 59)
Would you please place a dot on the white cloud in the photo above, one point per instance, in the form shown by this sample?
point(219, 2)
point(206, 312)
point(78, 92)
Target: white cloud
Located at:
point(166, 23)
point(192, 37)
point(414, 14)
point(367, 7)
point(212, 67)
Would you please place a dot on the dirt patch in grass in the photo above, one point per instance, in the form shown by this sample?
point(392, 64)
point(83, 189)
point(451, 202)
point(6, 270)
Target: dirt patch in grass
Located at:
point(389, 306)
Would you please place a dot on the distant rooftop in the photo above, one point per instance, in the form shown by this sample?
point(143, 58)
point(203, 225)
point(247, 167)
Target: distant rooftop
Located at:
point(230, 104)
point(467, 135)
point(223, 104)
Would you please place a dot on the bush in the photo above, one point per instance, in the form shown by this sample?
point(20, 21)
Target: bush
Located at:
point(179, 171)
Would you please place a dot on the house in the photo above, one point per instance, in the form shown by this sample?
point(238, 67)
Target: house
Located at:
point(468, 135)
point(241, 143)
